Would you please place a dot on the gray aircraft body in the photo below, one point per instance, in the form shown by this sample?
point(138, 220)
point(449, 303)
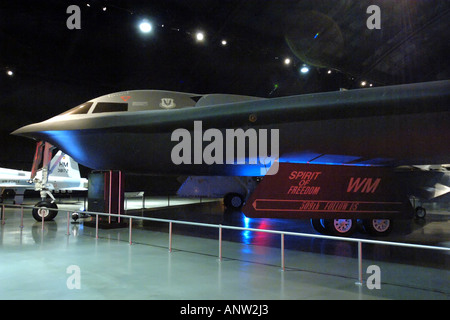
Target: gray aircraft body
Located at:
point(327, 146)
point(132, 131)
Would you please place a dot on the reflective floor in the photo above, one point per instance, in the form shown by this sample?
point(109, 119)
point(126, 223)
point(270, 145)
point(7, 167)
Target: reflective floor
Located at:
point(49, 264)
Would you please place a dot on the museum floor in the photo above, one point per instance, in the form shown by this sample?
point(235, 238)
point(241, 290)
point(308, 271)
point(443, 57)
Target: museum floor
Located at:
point(49, 264)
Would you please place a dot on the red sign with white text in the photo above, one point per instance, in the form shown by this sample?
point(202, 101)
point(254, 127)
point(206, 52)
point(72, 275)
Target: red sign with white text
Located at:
point(303, 191)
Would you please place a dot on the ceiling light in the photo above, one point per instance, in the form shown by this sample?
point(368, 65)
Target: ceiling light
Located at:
point(329, 71)
point(224, 42)
point(10, 73)
point(363, 83)
point(304, 69)
point(199, 36)
point(145, 26)
point(287, 61)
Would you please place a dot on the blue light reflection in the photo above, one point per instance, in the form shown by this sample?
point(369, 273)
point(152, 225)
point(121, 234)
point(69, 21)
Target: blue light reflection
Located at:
point(71, 142)
point(246, 235)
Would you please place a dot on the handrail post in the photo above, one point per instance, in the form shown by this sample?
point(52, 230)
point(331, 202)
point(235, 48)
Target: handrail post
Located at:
point(220, 242)
point(282, 252)
point(42, 217)
point(131, 223)
point(96, 226)
point(170, 236)
point(360, 275)
point(68, 223)
point(21, 217)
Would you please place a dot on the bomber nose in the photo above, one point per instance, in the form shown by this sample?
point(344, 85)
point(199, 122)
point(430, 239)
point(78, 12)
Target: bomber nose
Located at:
point(30, 131)
point(21, 131)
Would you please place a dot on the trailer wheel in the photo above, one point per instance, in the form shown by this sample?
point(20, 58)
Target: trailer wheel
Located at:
point(43, 209)
point(233, 201)
point(319, 226)
point(421, 212)
point(378, 227)
point(340, 227)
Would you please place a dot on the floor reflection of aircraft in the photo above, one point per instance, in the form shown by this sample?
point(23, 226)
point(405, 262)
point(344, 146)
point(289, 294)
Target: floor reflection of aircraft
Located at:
point(63, 176)
point(384, 126)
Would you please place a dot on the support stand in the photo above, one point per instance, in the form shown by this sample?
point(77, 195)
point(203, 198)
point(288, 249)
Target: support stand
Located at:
point(106, 194)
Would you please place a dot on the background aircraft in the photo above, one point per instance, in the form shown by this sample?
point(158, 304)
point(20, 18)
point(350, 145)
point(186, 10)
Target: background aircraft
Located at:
point(64, 176)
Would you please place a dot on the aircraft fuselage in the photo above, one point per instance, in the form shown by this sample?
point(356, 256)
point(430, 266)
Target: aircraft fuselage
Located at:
point(133, 131)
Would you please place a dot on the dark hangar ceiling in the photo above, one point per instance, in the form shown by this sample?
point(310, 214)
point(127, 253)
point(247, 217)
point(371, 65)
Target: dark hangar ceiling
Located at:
point(55, 68)
point(411, 46)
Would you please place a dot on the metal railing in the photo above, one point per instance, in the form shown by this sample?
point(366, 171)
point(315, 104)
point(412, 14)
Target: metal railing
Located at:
point(220, 228)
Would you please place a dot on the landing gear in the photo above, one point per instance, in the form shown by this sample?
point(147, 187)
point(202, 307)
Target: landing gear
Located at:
point(43, 209)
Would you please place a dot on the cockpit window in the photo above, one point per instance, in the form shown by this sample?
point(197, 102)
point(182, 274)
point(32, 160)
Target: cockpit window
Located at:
point(110, 107)
point(81, 109)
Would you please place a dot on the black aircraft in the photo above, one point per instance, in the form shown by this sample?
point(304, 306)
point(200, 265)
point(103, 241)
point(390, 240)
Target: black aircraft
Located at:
point(162, 132)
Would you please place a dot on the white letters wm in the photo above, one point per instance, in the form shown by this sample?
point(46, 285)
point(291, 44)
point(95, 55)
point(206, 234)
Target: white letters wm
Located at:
point(374, 21)
point(74, 21)
point(74, 280)
point(374, 280)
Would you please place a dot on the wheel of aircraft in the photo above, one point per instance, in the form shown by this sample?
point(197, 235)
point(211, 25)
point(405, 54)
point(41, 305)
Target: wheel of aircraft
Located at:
point(378, 227)
point(233, 200)
point(43, 209)
point(421, 212)
point(340, 227)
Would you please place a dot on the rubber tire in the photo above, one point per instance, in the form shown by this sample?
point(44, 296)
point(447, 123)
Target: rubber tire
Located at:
point(233, 201)
point(372, 230)
point(329, 225)
point(50, 216)
point(420, 213)
point(318, 225)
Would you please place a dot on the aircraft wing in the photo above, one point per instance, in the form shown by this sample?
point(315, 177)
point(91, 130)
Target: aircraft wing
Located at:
point(11, 179)
point(73, 189)
point(390, 126)
point(11, 185)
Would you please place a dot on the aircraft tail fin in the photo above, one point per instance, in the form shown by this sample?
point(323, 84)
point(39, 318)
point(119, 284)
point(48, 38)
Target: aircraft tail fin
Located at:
point(62, 165)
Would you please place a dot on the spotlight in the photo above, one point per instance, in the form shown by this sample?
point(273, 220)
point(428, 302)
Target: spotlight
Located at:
point(145, 26)
point(304, 69)
point(287, 61)
point(10, 73)
point(224, 42)
point(199, 36)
